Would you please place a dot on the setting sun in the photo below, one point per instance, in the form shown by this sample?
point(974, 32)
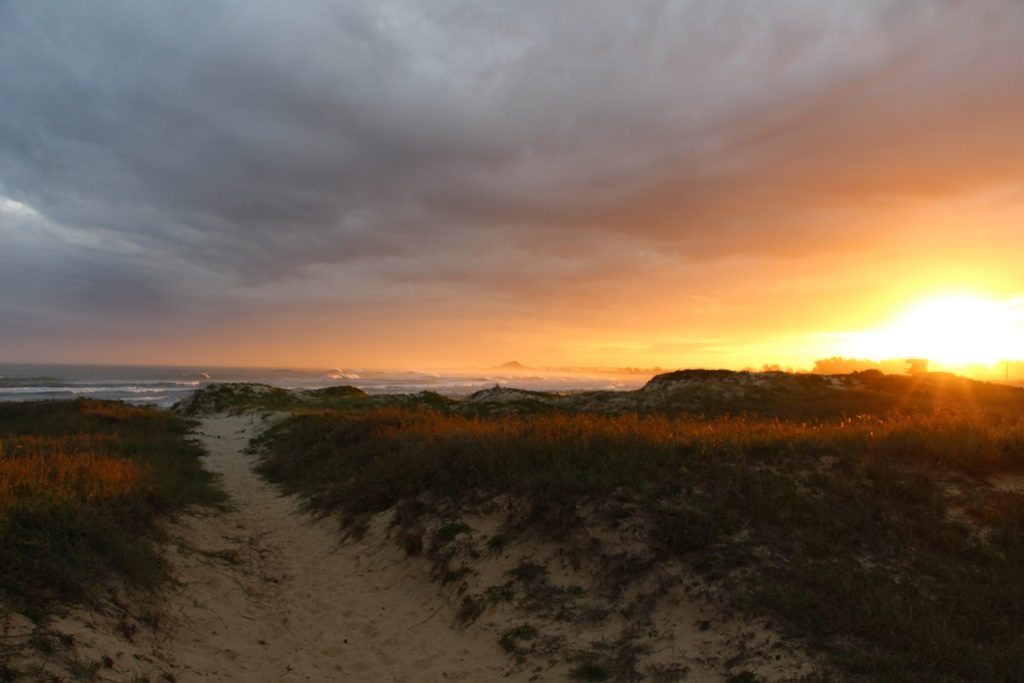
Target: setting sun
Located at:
point(951, 330)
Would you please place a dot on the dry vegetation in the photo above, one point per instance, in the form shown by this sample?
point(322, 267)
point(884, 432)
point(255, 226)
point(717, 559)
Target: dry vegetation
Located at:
point(83, 485)
point(46, 471)
point(877, 540)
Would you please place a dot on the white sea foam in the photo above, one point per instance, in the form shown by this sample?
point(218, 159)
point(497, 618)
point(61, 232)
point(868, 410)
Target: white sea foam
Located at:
point(35, 390)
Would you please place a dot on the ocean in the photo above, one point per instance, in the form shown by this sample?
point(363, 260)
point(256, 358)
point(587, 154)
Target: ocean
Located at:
point(166, 385)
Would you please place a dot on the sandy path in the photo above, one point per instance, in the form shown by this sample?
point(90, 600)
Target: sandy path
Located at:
point(268, 594)
point(293, 604)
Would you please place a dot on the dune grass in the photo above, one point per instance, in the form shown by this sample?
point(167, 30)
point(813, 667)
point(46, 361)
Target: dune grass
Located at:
point(877, 539)
point(237, 398)
point(83, 485)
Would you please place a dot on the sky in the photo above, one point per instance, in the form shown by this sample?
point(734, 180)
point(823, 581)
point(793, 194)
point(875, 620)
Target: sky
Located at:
point(462, 183)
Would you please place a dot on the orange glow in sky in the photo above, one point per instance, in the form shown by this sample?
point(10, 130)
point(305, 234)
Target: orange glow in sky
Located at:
point(392, 186)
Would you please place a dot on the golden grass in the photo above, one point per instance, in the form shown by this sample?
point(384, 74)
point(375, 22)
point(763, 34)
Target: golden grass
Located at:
point(47, 469)
point(109, 410)
point(966, 440)
point(83, 487)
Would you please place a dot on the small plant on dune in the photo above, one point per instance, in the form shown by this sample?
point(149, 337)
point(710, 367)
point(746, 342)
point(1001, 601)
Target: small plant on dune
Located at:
point(519, 641)
point(450, 531)
point(590, 671)
point(528, 572)
point(512, 639)
point(471, 608)
point(504, 592)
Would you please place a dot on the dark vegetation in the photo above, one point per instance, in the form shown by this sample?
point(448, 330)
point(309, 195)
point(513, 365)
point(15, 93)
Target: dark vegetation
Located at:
point(870, 529)
point(814, 397)
point(237, 398)
point(83, 485)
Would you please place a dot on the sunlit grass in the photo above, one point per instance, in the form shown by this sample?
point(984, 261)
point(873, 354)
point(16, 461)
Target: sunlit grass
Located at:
point(410, 451)
point(49, 475)
point(83, 487)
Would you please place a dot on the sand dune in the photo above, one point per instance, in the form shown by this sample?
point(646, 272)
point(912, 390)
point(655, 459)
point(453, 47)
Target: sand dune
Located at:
point(268, 594)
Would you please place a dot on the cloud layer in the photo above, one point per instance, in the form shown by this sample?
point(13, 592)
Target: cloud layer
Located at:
point(178, 165)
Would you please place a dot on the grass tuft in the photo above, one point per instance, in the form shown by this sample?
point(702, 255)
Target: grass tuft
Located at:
point(590, 671)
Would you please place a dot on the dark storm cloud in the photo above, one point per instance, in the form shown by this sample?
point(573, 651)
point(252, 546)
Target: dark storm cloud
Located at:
point(222, 145)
